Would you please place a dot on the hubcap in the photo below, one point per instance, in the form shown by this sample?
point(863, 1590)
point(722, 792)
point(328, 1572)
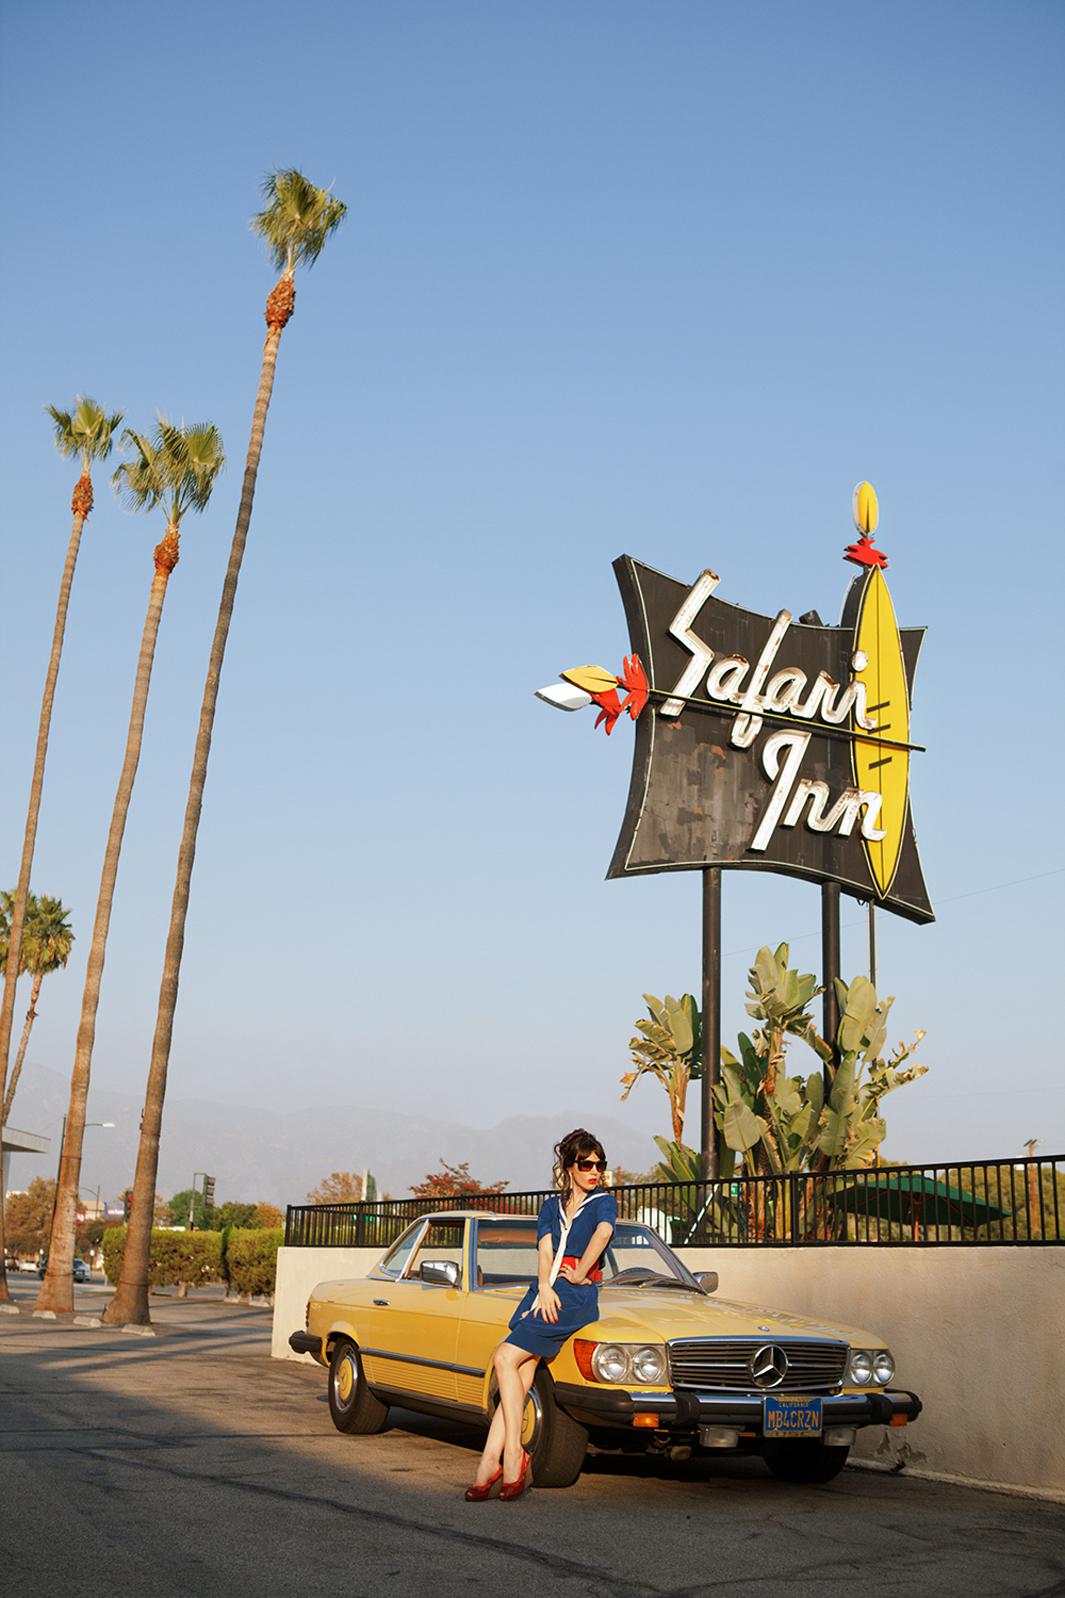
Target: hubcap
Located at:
point(532, 1421)
point(346, 1377)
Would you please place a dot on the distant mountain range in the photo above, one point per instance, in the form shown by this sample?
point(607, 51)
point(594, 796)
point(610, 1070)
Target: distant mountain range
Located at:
point(278, 1156)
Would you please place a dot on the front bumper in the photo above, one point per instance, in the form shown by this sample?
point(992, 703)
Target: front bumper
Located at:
point(305, 1343)
point(684, 1411)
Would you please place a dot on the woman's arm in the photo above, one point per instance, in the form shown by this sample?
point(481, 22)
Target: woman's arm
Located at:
point(547, 1300)
point(600, 1238)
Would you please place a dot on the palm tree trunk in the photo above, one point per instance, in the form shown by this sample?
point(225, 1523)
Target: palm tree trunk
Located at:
point(57, 1291)
point(81, 504)
point(27, 1028)
point(130, 1303)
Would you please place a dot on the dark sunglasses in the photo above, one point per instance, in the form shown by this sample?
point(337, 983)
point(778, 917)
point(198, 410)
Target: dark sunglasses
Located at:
point(590, 1165)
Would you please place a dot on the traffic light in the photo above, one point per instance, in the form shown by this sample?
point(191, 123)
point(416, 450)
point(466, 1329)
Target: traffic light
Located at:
point(208, 1191)
point(127, 1204)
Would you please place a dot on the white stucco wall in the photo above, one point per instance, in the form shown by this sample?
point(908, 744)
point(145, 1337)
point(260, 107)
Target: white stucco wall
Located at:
point(976, 1332)
point(298, 1269)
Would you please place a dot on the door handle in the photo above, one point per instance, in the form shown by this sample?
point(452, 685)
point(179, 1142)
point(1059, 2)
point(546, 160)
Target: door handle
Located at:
point(382, 1302)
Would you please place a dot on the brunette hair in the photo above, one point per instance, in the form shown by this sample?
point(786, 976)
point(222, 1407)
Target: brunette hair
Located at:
point(576, 1145)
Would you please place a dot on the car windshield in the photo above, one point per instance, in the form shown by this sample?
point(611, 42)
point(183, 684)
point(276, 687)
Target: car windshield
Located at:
point(506, 1256)
point(395, 1260)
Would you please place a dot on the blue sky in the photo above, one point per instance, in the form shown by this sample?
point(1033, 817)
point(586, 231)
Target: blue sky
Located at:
point(664, 280)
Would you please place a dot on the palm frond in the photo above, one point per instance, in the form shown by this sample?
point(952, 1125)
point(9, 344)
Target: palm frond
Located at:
point(64, 427)
point(177, 467)
point(48, 937)
point(140, 483)
point(297, 219)
point(202, 458)
point(87, 431)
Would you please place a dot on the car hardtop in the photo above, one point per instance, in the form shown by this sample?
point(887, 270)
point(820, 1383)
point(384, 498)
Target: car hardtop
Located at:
point(472, 1215)
point(395, 1260)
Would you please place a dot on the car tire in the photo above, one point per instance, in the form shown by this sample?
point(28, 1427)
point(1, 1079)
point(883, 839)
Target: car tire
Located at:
point(352, 1405)
point(560, 1444)
point(810, 1462)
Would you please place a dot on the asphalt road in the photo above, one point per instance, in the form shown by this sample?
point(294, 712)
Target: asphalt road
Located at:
point(191, 1464)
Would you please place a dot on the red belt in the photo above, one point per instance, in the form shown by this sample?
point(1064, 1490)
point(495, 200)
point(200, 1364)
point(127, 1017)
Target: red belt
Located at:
point(573, 1260)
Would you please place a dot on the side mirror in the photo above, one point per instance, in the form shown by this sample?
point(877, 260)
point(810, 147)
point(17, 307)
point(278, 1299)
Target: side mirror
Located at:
point(441, 1273)
point(707, 1280)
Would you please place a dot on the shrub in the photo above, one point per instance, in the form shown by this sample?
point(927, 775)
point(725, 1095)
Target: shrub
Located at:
point(188, 1258)
point(114, 1246)
point(251, 1259)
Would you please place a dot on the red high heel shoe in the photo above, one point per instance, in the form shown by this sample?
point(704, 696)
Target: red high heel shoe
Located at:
point(514, 1489)
point(477, 1494)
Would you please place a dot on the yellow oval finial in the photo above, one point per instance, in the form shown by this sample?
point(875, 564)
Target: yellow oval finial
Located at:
point(865, 507)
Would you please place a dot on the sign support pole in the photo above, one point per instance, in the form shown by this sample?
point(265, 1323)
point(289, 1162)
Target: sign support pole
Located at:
point(872, 942)
point(830, 970)
point(711, 1022)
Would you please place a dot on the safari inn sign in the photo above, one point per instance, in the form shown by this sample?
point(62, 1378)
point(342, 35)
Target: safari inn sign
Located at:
point(765, 742)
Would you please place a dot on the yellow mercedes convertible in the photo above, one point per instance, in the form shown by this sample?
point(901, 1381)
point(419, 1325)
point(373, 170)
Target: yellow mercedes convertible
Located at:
point(666, 1368)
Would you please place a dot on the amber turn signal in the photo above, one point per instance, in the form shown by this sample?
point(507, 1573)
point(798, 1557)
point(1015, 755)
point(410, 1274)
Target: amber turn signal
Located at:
point(582, 1353)
point(644, 1418)
point(899, 1420)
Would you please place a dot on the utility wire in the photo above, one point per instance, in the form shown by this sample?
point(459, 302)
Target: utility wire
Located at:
point(973, 893)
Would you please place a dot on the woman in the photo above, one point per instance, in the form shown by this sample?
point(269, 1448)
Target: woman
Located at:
point(574, 1227)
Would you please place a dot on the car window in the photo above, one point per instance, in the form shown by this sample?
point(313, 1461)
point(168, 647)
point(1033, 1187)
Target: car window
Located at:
point(399, 1253)
point(442, 1240)
point(506, 1253)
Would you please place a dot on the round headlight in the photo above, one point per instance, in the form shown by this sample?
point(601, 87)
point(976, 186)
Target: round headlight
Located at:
point(883, 1366)
point(861, 1371)
point(649, 1364)
point(610, 1363)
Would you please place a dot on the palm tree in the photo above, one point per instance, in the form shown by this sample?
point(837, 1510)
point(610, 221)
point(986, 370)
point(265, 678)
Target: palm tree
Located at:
point(175, 469)
point(85, 433)
point(47, 940)
point(296, 223)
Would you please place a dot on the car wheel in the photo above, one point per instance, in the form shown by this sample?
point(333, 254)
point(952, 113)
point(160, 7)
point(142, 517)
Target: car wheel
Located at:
point(351, 1404)
point(810, 1462)
point(556, 1443)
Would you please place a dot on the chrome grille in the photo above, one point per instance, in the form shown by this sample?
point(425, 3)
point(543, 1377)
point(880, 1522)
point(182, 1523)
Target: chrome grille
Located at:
point(723, 1364)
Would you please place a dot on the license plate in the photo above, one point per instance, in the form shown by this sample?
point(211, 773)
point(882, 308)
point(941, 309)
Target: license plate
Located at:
point(791, 1417)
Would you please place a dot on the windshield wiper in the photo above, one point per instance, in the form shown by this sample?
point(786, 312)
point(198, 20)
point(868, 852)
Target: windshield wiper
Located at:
point(652, 1279)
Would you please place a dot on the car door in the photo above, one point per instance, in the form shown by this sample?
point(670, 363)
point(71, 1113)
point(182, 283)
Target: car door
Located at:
point(414, 1331)
point(504, 1264)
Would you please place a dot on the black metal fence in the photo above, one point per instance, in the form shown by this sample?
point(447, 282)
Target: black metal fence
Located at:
point(967, 1202)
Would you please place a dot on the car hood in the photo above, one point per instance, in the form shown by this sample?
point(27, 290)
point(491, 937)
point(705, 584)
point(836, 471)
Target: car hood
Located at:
point(667, 1313)
point(648, 1314)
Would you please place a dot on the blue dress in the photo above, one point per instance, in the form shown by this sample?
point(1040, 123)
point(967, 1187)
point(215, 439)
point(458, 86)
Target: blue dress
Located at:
point(578, 1306)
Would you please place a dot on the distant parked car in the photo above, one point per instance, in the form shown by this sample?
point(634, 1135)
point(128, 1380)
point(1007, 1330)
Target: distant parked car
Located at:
point(28, 1267)
point(81, 1272)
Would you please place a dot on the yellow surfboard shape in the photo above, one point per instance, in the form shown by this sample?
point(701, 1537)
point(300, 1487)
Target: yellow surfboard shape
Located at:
point(884, 770)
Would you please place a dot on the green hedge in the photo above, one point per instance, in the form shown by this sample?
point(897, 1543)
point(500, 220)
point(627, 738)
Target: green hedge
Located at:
point(190, 1257)
point(251, 1258)
point(245, 1259)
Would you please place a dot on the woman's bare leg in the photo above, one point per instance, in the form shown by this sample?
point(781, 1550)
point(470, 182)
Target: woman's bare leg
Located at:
point(515, 1368)
point(493, 1447)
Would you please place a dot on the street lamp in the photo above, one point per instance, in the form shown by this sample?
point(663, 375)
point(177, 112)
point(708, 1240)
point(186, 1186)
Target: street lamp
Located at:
point(59, 1166)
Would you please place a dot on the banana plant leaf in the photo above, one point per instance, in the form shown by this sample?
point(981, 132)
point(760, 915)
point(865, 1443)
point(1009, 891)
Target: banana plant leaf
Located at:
point(914, 1201)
